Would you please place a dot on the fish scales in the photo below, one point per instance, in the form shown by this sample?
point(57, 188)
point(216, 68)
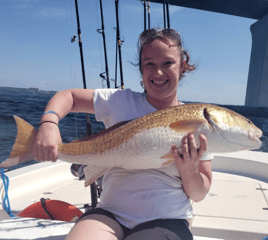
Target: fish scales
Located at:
point(116, 137)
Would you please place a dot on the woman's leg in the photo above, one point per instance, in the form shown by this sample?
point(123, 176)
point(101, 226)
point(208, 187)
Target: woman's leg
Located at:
point(168, 229)
point(96, 226)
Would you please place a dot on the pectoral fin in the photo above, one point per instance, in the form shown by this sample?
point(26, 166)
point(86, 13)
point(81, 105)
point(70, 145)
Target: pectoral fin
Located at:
point(170, 158)
point(93, 172)
point(186, 126)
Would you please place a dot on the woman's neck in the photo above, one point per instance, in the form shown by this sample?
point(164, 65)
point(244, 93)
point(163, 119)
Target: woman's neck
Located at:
point(161, 104)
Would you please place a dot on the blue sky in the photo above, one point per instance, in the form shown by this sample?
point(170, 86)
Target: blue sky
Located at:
point(36, 51)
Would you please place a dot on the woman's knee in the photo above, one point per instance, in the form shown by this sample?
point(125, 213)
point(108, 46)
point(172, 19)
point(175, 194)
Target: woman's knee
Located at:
point(96, 227)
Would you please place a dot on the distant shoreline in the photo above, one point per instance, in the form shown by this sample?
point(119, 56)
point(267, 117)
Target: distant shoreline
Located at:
point(25, 89)
point(243, 110)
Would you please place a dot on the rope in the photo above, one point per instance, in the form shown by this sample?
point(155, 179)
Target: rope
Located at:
point(6, 204)
point(43, 203)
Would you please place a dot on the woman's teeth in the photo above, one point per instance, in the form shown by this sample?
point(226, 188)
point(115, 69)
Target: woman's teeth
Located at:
point(159, 82)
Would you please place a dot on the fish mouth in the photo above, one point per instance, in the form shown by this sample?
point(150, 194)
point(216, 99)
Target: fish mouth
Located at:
point(255, 136)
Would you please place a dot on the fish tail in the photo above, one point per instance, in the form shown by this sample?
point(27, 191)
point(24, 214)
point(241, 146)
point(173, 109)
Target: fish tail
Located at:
point(22, 150)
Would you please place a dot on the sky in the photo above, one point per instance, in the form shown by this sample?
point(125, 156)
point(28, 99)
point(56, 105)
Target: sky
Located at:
point(36, 48)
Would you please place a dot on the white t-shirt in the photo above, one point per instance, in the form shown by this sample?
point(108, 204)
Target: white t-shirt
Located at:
point(137, 196)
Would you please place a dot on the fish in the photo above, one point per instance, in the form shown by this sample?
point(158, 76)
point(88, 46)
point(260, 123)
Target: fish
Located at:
point(145, 142)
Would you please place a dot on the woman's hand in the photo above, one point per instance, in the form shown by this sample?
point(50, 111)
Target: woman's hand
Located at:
point(46, 142)
point(188, 162)
point(195, 175)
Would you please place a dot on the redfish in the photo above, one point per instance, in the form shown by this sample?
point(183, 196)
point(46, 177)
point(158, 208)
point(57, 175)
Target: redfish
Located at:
point(145, 143)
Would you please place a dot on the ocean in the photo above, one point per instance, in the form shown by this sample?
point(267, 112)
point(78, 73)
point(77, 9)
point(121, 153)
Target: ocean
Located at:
point(29, 104)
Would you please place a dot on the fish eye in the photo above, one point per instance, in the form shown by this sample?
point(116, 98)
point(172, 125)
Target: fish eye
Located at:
point(249, 122)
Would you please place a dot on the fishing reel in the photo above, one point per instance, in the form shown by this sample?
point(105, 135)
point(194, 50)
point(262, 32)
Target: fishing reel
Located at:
point(73, 38)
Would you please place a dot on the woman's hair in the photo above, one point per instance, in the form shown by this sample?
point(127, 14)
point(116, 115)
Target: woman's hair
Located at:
point(175, 42)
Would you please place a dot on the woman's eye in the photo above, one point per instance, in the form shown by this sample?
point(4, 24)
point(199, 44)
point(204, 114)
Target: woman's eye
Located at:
point(168, 63)
point(149, 64)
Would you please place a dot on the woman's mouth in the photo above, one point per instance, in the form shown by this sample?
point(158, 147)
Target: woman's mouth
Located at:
point(159, 82)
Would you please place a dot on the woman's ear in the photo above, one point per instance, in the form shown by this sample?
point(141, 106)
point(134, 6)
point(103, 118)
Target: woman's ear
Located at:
point(184, 66)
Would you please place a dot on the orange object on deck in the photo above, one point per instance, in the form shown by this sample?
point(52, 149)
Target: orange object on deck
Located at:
point(52, 209)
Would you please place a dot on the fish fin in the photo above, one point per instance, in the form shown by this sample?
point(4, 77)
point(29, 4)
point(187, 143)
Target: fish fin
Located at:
point(93, 172)
point(170, 159)
point(167, 156)
point(23, 146)
point(186, 126)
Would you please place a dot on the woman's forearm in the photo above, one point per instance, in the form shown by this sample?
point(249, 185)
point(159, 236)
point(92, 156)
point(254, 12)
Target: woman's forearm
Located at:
point(61, 103)
point(196, 186)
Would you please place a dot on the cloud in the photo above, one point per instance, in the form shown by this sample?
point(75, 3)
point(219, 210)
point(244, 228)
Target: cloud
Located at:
point(23, 4)
point(53, 13)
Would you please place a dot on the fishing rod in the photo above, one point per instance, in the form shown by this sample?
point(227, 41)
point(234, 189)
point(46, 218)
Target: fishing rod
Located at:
point(167, 9)
point(119, 43)
point(102, 32)
point(116, 57)
point(93, 186)
point(80, 44)
point(89, 132)
point(144, 13)
point(166, 13)
point(146, 8)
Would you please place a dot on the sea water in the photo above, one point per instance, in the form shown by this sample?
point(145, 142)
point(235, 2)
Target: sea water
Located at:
point(30, 104)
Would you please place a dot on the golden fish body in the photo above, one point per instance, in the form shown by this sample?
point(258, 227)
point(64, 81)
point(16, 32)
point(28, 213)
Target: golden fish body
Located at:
point(146, 142)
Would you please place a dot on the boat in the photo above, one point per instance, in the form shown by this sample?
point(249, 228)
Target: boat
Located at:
point(235, 208)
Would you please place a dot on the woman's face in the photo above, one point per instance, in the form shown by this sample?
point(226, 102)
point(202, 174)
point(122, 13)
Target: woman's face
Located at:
point(161, 67)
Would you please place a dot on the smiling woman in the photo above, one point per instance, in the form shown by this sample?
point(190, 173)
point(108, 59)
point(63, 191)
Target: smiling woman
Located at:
point(162, 62)
point(172, 38)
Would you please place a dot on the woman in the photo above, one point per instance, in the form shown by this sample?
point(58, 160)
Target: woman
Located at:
point(146, 204)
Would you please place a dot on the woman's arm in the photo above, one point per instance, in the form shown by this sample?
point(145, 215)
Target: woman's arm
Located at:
point(48, 136)
point(196, 175)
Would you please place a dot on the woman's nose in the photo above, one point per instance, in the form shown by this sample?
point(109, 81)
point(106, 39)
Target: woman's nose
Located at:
point(158, 71)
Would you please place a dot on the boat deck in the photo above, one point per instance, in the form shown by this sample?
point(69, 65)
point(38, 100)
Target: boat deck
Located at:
point(235, 208)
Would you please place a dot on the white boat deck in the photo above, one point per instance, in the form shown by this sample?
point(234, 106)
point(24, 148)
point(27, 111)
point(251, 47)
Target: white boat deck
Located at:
point(235, 208)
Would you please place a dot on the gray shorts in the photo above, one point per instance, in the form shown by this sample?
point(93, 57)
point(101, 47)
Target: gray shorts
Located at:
point(160, 229)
